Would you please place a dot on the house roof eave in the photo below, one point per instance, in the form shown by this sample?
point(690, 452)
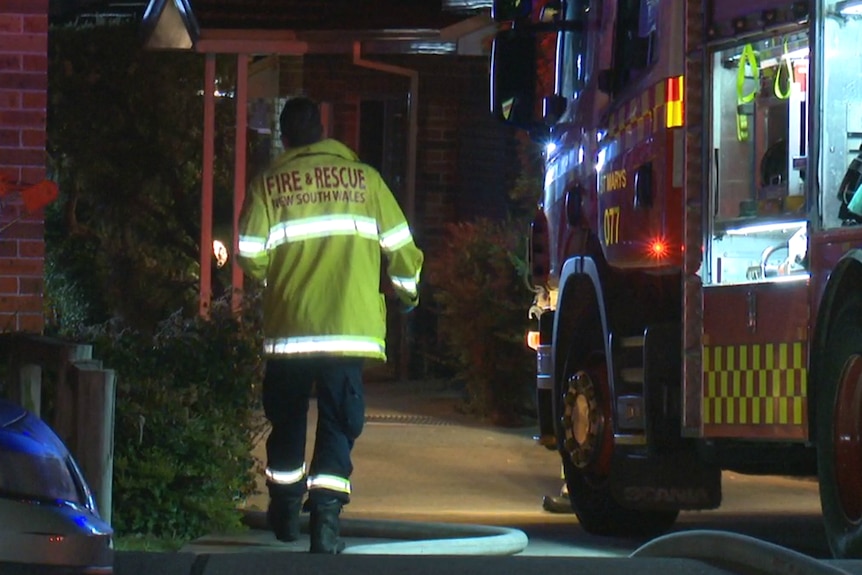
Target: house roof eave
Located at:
point(169, 24)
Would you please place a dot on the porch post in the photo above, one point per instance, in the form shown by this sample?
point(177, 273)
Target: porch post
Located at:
point(207, 186)
point(239, 172)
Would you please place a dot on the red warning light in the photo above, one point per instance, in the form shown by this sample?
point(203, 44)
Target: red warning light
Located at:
point(658, 249)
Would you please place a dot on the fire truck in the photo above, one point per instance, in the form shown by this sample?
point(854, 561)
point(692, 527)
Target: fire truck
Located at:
point(697, 252)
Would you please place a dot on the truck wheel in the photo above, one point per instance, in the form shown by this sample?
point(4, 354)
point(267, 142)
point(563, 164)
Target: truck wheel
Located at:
point(588, 440)
point(839, 431)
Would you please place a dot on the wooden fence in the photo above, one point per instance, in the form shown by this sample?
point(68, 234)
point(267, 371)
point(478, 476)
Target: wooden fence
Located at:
point(83, 396)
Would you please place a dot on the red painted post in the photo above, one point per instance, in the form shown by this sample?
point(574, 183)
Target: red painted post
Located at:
point(239, 174)
point(207, 186)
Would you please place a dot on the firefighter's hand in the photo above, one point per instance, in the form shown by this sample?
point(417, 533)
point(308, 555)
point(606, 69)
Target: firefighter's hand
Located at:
point(407, 307)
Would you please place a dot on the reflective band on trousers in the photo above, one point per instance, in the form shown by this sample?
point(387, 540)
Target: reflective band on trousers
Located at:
point(286, 477)
point(331, 482)
point(323, 344)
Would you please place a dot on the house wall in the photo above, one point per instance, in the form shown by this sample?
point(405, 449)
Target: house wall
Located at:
point(23, 105)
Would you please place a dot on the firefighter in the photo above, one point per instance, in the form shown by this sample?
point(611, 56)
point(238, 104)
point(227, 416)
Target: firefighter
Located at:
point(315, 228)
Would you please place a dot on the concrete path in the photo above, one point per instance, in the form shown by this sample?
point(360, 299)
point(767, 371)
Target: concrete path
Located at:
point(431, 481)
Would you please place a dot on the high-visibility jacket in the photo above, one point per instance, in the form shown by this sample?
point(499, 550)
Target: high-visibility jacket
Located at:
point(315, 227)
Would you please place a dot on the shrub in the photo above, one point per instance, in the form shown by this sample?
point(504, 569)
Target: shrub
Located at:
point(125, 145)
point(482, 302)
point(185, 422)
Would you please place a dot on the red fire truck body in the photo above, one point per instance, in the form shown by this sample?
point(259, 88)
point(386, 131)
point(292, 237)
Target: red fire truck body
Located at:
point(697, 252)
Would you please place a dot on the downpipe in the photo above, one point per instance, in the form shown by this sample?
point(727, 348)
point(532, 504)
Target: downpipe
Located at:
point(410, 200)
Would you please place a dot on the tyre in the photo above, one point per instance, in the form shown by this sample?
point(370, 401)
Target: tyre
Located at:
point(839, 431)
point(587, 439)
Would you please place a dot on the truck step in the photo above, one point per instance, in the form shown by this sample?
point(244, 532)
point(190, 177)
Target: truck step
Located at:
point(635, 341)
point(632, 375)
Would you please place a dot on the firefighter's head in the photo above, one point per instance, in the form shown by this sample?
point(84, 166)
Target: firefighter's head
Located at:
point(300, 122)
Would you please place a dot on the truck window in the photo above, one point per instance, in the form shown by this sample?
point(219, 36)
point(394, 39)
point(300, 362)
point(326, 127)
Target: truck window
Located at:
point(841, 118)
point(572, 72)
point(634, 40)
point(759, 161)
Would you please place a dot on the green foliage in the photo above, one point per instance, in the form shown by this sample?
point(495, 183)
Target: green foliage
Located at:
point(125, 145)
point(185, 421)
point(481, 295)
point(73, 279)
point(482, 302)
point(147, 543)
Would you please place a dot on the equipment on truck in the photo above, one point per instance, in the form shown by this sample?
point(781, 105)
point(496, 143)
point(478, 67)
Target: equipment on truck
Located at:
point(696, 251)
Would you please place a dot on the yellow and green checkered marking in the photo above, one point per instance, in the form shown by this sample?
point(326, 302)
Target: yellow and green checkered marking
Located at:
point(756, 384)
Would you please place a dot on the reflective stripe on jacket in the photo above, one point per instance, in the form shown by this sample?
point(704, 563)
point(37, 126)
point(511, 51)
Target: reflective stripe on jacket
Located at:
point(314, 227)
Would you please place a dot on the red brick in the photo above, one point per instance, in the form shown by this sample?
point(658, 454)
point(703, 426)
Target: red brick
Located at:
point(24, 43)
point(37, 219)
point(8, 322)
point(12, 207)
point(11, 23)
point(22, 322)
point(35, 63)
point(24, 80)
point(30, 285)
point(26, 230)
point(33, 174)
point(33, 138)
point(31, 322)
point(22, 157)
point(9, 138)
point(10, 99)
point(21, 267)
point(23, 118)
point(36, 24)
point(7, 218)
point(35, 100)
point(8, 248)
point(21, 303)
point(25, 6)
point(13, 174)
point(10, 62)
point(8, 285)
point(32, 248)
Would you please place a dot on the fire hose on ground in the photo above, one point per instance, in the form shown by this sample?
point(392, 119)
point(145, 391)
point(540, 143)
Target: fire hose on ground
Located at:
point(735, 553)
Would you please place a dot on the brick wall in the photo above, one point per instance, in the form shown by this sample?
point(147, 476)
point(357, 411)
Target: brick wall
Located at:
point(23, 102)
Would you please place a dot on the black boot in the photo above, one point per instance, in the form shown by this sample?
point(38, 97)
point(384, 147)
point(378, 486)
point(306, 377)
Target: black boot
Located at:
point(557, 504)
point(323, 527)
point(283, 518)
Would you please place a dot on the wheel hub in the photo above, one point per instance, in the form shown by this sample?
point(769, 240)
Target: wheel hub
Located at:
point(847, 438)
point(582, 420)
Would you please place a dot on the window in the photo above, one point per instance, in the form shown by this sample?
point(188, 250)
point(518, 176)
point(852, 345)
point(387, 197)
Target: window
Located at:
point(572, 59)
point(634, 40)
point(841, 117)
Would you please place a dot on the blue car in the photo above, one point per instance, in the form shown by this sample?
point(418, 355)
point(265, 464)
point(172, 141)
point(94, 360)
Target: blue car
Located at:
point(48, 516)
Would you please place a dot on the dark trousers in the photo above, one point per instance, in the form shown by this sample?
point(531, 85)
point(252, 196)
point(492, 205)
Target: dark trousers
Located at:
point(287, 388)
